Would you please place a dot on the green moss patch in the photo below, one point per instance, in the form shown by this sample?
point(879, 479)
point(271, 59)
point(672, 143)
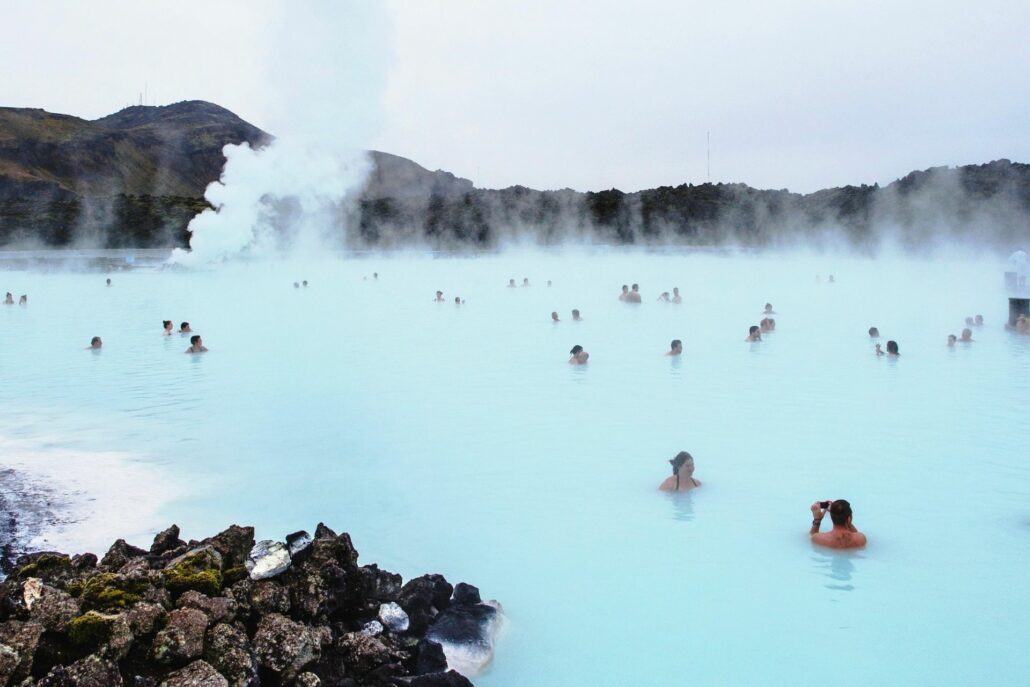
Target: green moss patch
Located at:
point(199, 571)
point(91, 630)
point(111, 590)
point(46, 565)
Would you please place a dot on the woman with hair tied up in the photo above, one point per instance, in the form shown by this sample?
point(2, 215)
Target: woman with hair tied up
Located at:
point(682, 478)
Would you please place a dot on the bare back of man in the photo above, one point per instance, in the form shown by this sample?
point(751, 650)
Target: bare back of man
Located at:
point(844, 534)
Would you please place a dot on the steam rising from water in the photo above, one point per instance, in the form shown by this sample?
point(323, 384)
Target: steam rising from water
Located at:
point(326, 75)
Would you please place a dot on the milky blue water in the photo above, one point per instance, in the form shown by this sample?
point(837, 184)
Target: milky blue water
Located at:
point(457, 439)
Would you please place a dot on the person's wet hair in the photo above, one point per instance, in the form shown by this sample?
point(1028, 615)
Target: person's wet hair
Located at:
point(194, 339)
point(636, 287)
point(576, 349)
point(752, 329)
point(874, 332)
point(676, 343)
point(184, 325)
point(677, 462)
point(166, 323)
point(840, 511)
point(892, 347)
point(575, 313)
point(94, 341)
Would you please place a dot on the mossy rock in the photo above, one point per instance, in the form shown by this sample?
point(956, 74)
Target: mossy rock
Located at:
point(46, 565)
point(91, 629)
point(111, 590)
point(199, 570)
point(74, 588)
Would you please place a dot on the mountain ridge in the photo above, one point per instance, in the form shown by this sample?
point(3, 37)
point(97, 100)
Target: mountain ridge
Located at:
point(136, 177)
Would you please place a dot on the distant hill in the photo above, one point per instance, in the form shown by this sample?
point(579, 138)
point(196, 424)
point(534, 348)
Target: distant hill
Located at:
point(135, 179)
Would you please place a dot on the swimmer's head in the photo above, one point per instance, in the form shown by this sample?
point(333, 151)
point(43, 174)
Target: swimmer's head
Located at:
point(874, 332)
point(296, 285)
point(184, 326)
point(194, 340)
point(525, 281)
point(575, 314)
point(979, 320)
point(840, 513)
point(554, 316)
point(305, 282)
point(109, 281)
point(625, 288)
point(768, 307)
point(952, 339)
point(636, 287)
point(892, 347)
point(676, 290)
point(752, 330)
point(167, 324)
point(967, 333)
point(511, 282)
point(676, 345)
point(457, 300)
point(439, 293)
point(682, 460)
point(548, 282)
point(375, 275)
point(576, 350)
point(95, 342)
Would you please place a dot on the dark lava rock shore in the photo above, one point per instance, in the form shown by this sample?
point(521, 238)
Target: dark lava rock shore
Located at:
point(231, 611)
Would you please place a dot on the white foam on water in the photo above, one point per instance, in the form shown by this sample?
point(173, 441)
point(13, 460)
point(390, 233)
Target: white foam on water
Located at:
point(76, 501)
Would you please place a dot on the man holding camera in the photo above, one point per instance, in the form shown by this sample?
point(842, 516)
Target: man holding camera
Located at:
point(843, 535)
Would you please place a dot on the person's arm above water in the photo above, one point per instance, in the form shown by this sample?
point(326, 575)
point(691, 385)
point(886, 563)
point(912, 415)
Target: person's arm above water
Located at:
point(818, 513)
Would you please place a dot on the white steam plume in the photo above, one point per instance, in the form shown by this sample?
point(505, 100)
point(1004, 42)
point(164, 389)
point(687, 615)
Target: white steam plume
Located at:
point(326, 77)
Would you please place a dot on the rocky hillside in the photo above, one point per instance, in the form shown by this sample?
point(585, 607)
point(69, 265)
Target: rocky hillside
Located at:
point(137, 177)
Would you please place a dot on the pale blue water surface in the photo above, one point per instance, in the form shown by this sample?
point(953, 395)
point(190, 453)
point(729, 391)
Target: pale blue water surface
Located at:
point(458, 440)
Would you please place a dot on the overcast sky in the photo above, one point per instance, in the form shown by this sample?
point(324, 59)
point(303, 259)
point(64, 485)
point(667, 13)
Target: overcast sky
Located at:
point(587, 95)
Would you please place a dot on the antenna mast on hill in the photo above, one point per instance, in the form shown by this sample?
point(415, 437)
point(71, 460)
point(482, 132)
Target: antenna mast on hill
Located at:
point(709, 157)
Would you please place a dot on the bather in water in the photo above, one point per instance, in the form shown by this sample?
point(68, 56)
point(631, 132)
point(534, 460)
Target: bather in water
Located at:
point(95, 344)
point(892, 349)
point(844, 535)
point(676, 298)
point(967, 336)
point(754, 333)
point(578, 356)
point(168, 327)
point(675, 348)
point(196, 345)
point(682, 478)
